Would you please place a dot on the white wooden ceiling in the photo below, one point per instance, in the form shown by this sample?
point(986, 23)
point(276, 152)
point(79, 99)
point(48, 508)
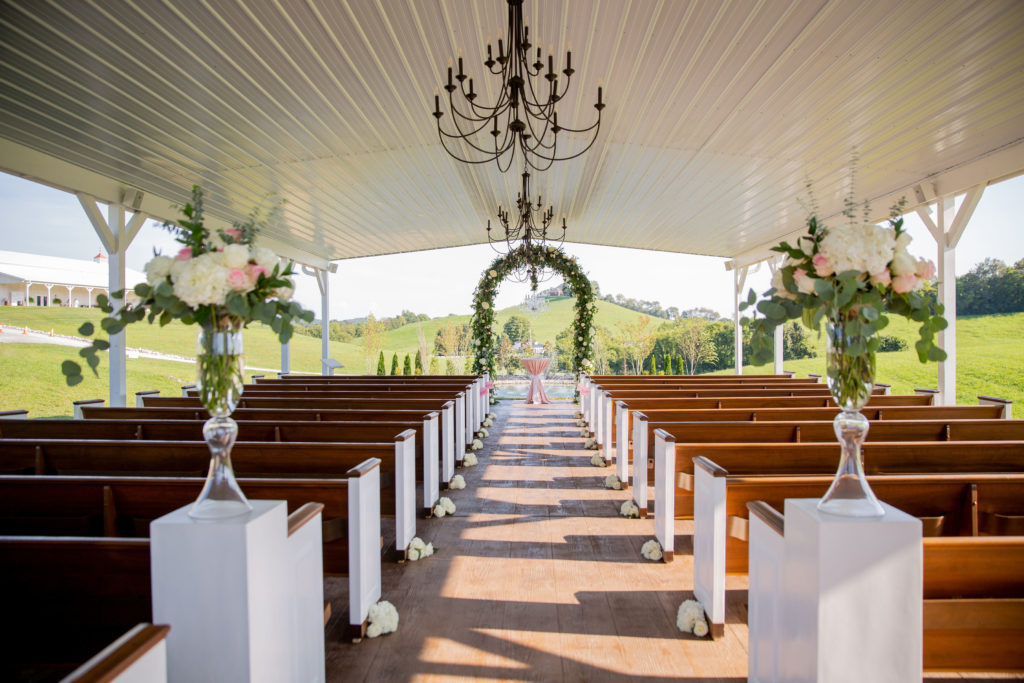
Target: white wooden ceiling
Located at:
point(718, 112)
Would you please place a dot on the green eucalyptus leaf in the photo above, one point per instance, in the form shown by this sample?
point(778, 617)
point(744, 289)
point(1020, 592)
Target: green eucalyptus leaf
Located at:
point(86, 329)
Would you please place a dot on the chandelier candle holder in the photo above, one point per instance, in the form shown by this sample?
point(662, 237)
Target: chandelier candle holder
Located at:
point(524, 117)
point(526, 234)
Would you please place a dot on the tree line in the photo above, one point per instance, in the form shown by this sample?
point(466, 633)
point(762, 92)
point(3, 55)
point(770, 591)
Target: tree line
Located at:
point(991, 287)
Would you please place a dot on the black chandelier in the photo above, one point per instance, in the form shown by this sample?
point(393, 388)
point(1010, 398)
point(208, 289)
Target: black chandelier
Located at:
point(524, 116)
point(526, 237)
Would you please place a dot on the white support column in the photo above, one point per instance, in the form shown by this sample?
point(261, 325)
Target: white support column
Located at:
point(49, 294)
point(116, 235)
point(89, 304)
point(739, 276)
point(774, 265)
point(323, 283)
point(947, 229)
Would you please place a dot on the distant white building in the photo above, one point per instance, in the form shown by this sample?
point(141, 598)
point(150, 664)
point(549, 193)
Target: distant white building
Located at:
point(37, 280)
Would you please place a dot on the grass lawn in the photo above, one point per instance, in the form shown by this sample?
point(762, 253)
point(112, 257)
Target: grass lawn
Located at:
point(990, 360)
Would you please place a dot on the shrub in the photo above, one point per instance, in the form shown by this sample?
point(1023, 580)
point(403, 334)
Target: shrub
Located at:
point(381, 368)
point(449, 367)
point(668, 365)
point(435, 367)
point(394, 364)
point(679, 366)
point(419, 363)
point(887, 342)
point(407, 365)
point(652, 369)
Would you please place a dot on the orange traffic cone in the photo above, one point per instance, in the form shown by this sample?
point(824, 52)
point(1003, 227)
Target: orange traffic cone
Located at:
point(51, 331)
point(24, 331)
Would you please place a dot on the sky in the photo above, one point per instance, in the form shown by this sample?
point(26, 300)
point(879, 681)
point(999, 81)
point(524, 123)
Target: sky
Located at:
point(38, 219)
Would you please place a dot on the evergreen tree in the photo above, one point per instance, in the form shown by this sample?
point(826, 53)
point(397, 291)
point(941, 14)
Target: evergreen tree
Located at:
point(651, 368)
point(668, 365)
point(419, 363)
point(680, 366)
point(407, 365)
point(435, 366)
point(381, 368)
point(449, 367)
point(394, 365)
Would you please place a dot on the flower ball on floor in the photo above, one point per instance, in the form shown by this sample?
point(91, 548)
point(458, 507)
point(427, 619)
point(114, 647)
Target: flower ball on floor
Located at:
point(444, 506)
point(584, 432)
point(469, 459)
point(597, 461)
point(488, 422)
point(477, 445)
point(612, 481)
point(690, 618)
point(590, 444)
point(492, 416)
point(629, 509)
point(483, 433)
point(651, 550)
point(383, 619)
point(418, 549)
point(457, 482)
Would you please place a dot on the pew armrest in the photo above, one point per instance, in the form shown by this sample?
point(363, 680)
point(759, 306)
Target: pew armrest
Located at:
point(1006, 404)
point(303, 515)
point(768, 515)
point(13, 414)
point(141, 653)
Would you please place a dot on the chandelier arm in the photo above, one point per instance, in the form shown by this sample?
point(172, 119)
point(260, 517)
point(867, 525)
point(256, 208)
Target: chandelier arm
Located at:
point(470, 118)
point(469, 141)
point(455, 155)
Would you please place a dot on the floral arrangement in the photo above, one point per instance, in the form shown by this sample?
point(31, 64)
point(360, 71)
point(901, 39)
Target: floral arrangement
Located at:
point(469, 459)
point(581, 423)
point(383, 619)
point(457, 482)
point(483, 326)
point(598, 461)
point(444, 506)
point(219, 280)
point(488, 422)
point(419, 550)
point(584, 432)
point(476, 445)
point(651, 550)
point(483, 433)
point(612, 481)
point(492, 416)
point(590, 444)
point(629, 509)
point(851, 275)
point(690, 618)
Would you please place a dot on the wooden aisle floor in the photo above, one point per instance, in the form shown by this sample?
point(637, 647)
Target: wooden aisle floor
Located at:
point(539, 578)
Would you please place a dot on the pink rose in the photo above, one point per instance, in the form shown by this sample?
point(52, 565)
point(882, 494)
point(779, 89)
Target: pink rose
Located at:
point(925, 269)
point(234, 232)
point(253, 272)
point(185, 254)
point(803, 281)
point(822, 268)
point(901, 284)
point(238, 280)
point(882, 278)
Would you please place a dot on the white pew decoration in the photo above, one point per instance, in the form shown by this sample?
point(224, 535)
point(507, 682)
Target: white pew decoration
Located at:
point(477, 445)
point(443, 507)
point(612, 481)
point(419, 550)
point(469, 460)
point(457, 482)
point(629, 509)
point(483, 433)
point(584, 432)
point(492, 416)
point(651, 550)
point(591, 445)
point(597, 461)
point(690, 618)
point(383, 619)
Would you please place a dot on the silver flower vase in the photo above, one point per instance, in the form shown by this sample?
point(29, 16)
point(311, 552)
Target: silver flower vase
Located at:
point(851, 373)
point(220, 375)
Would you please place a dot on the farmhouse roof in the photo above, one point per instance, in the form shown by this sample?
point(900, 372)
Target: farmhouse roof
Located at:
point(17, 266)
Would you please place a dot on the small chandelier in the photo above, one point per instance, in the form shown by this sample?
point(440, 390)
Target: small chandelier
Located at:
point(524, 116)
point(534, 304)
point(526, 237)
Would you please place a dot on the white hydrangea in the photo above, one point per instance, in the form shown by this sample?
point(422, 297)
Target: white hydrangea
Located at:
point(457, 482)
point(158, 269)
point(651, 550)
point(469, 459)
point(690, 618)
point(203, 280)
point(590, 443)
point(483, 433)
point(492, 416)
point(612, 481)
point(418, 549)
point(444, 506)
point(236, 255)
point(477, 445)
point(629, 509)
point(867, 248)
point(265, 257)
point(597, 461)
point(383, 619)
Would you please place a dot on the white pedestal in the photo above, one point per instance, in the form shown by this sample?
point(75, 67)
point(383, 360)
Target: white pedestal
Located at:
point(852, 597)
point(223, 587)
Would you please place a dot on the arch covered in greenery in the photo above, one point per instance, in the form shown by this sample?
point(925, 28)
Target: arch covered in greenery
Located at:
point(485, 337)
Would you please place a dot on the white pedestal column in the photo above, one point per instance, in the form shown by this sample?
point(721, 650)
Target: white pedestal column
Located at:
point(224, 587)
point(852, 596)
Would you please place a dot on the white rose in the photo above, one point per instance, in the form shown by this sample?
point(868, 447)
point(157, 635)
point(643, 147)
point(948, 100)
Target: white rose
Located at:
point(236, 256)
point(903, 263)
point(493, 273)
point(651, 550)
point(484, 305)
point(158, 269)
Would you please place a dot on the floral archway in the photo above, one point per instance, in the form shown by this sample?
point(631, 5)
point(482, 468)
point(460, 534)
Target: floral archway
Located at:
point(536, 258)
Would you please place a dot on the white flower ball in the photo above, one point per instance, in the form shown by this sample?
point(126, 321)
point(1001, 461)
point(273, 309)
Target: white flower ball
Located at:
point(492, 416)
point(612, 481)
point(383, 618)
point(477, 444)
point(469, 459)
point(374, 630)
point(629, 509)
point(158, 269)
point(584, 432)
point(597, 461)
point(690, 613)
point(445, 504)
point(457, 482)
point(700, 629)
point(651, 550)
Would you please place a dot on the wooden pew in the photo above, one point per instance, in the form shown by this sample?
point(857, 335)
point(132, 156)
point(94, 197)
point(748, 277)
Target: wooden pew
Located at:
point(948, 505)
point(138, 655)
point(262, 460)
point(425, 440)
point(973, 603)
point(674, 466)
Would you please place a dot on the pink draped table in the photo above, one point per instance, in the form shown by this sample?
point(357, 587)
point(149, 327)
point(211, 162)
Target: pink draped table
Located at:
point(536, 367)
